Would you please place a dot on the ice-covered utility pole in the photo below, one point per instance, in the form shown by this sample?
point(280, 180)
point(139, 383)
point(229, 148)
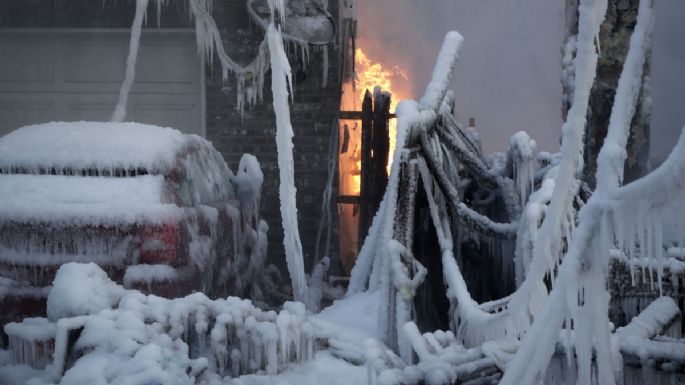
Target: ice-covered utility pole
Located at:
point(281, 82)
point(120, 110)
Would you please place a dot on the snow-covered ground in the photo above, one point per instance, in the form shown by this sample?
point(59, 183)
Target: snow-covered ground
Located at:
point(323, 369)
point(127, 336)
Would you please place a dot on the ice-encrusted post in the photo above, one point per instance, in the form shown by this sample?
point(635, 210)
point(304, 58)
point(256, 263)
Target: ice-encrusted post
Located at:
point(591, 15)
point(120, 110)
point(585, 262)
point(281, 83)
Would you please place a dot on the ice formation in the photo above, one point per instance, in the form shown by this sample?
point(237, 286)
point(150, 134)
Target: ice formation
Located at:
point(123, 335)
point(549, 224)
point(472, 323)
point(522, 152)
point(594, 235)
point(119, 114)
point(313, 27)
point(281, 84)
point(31, 341)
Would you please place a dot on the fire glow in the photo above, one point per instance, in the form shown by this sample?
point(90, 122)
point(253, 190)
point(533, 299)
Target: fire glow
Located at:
point(368, 75)
point(371, 74)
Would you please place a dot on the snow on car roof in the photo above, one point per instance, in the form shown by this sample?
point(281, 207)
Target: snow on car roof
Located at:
point(99, 145)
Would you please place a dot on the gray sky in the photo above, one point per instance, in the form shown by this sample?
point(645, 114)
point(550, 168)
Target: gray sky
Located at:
point(508, 73)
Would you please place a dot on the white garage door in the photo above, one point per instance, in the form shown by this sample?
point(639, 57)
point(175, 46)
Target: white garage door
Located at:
point(70, 75)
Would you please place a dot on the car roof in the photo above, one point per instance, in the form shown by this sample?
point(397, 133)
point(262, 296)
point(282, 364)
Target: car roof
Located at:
point(93, 145)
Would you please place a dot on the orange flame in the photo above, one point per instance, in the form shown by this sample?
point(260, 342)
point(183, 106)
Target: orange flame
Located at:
point(368, 75)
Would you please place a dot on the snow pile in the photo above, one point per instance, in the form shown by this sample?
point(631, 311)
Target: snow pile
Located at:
point(80, 289)
point(357, 313)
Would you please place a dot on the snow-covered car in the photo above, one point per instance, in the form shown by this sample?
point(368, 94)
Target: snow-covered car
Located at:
point(155, 208)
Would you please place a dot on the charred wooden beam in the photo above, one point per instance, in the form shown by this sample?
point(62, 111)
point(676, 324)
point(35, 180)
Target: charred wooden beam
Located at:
point(357, 115)
point(365, 214)
point(349, 199)
point(380, 146)
point(404, 220)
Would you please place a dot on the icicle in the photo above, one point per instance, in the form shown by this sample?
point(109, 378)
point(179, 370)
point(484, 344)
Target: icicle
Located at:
point(324, 76)
point(119, 114)
point(650, 250)
point(158, 4)
point(659, 251)
point(538, 346)
point(281, 83)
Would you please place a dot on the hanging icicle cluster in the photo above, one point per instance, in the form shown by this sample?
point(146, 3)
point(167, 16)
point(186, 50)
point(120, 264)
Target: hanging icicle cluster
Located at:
point(249, 78)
